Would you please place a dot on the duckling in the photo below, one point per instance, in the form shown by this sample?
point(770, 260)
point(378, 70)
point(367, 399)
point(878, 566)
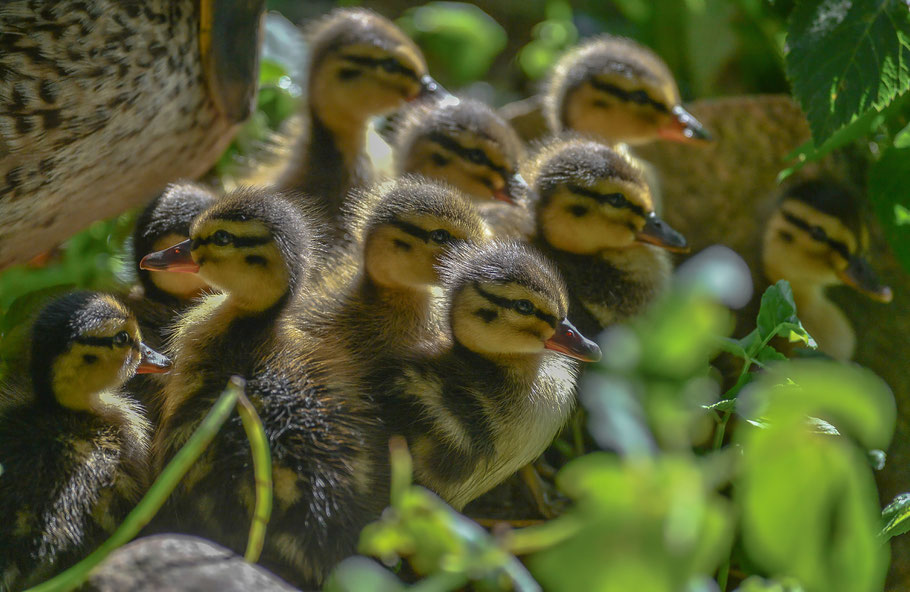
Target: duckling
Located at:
point(329, 465)
point(165, 221)
point(596, 221)
point(361, 65)
point(619, 91)
point(74, 448)
point(105, 102)
point(488, 400)
point(382, 301)
point(813, 240)
point(158, 299)
point(465, 143)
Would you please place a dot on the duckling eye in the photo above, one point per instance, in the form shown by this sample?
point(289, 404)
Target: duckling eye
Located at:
point(578, 211)
point(390, 65)
point(222, 238)
point(89, 358)
point(441, 236)
point(818, 233)
point(525, 307)
point(615, 199)
point(639, 96)
point(121, 339)
point(475, 155)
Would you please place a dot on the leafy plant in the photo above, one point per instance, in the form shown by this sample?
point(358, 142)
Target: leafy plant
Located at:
point(787, 503)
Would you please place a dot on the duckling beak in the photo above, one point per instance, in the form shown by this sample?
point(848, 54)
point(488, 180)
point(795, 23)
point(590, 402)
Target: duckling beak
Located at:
point(516, 186)
point(429, 88)
point(659, 233)
point(570, 342)
point(176, 258)
point(859, 276)
point(152, 362)
point(684, 128)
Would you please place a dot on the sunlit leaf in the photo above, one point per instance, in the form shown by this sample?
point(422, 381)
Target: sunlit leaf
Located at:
point(896, 516)
point(846, 58)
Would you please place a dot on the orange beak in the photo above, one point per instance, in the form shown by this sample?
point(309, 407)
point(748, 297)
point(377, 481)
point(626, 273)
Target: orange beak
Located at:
point(684, 128)
point(658, 233)
point(568, 341)
point(152, 362)
point(176, 258)
point(859, 276)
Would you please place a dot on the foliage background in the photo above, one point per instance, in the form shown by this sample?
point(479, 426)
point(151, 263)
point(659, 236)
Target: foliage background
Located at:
point(852, 82)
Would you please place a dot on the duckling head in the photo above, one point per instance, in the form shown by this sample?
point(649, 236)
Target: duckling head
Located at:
point(83, 345)
point(406, 225)
point(815, 237)
point(362, 65)
point(164, 222)
point(463, 142)
point(620, 91)
point(507, 300)
point(252, 245)
point(590, 198)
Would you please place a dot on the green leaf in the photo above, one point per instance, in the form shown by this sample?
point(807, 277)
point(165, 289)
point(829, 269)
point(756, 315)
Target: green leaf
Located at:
point(896, 517)
point(777, 308)
point(808, 498)
point(889, 179)
point(724, 405)
point(847, 58)
point(862, 126)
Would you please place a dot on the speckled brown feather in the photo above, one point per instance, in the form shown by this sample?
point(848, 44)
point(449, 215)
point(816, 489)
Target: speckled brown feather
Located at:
point(101, 103)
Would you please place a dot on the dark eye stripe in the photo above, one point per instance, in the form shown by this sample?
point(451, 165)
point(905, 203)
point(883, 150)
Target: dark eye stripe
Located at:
point(239, 241)
point(504, 302)
point(398, 67)
point(837, 245)
point(636, 96)
point(453, 146)
point(615, 199)
point(102, 341)
point(419, 233)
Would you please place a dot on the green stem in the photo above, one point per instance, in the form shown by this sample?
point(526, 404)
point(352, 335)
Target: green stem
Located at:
point(157, 494)
point(262, 472)
point(543, 536)
point(722, 575)
point(721, 428)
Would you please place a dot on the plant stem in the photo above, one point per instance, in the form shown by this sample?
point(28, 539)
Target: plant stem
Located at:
point(534, 538)
point(722, 574)
point(157, 494)
point(262, 472)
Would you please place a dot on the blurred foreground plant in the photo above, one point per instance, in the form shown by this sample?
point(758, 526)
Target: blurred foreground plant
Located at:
point(784, 501)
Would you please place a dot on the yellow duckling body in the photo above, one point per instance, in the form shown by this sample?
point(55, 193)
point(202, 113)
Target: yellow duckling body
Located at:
point(595, 219)
point(74, 448)
point(328, 453)
point(490, 399)
point(361, 65)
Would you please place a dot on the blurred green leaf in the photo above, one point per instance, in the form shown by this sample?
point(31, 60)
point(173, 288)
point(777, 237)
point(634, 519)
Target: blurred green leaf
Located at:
point(889, 179)
point(459, 40)
point(847, 58)
point(896, 517)
point(648, 526)
point(808, 499)
point(359, 573)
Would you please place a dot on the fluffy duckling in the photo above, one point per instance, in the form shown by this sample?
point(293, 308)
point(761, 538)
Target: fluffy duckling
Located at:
point(104, 102)
point(74, 448)
point(328, 454)
point(361, 65)
point(165, 221)
point(477, 407)
point(383, 299)
point(158, 298)
point(813, 240)
point(618, 91)
point(466, 143)
point(595, 219)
